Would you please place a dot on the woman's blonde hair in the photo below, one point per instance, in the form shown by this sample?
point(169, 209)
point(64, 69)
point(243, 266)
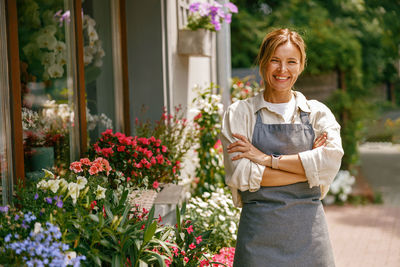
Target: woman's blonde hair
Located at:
point(274, 39)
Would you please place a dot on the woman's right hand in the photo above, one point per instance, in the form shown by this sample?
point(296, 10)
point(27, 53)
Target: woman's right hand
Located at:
point(320, 141)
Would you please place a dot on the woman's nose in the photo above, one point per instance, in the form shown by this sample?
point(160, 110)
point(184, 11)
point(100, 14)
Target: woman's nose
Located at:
point(282, 67)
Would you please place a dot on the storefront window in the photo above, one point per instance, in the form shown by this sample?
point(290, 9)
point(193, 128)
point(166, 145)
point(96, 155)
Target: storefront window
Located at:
point(6, 182)
point(99, 66)
point(47, 60)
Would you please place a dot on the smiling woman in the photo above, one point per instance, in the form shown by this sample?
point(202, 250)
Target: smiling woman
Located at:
point(281, 153)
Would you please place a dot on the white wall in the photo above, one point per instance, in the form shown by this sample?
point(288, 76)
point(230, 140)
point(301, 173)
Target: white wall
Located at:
point(185, 72)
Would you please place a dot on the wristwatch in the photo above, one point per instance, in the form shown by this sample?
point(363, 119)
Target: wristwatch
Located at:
point(275, 161)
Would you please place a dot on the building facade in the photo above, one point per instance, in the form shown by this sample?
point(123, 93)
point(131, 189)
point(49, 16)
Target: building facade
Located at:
point(69, 69)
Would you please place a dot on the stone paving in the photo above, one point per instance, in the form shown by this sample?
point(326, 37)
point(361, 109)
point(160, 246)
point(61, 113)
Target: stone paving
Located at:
point(369, 236)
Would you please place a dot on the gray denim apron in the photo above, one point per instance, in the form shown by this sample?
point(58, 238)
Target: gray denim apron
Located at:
point(283, 225)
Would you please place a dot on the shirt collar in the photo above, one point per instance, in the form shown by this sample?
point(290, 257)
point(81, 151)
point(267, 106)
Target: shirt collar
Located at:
point(301, 101)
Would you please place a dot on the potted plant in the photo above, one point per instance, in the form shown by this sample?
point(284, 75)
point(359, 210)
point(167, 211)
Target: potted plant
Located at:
point(204, 19)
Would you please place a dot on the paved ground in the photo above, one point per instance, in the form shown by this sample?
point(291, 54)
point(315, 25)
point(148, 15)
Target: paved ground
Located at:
point(369, 236)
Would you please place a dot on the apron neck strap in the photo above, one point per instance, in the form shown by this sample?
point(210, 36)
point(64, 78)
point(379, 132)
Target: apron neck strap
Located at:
point(304, 117)
point(259, 120)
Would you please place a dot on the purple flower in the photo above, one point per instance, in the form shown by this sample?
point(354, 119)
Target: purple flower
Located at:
point(16, 217)
point(232, 8)
point(194, 7)
point(60, 204)
point(228, 17)
point(36, 196)
point(49, 200)
point(4, 209)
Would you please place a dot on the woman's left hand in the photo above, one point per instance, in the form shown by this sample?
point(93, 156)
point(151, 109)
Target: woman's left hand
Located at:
point(247, 150)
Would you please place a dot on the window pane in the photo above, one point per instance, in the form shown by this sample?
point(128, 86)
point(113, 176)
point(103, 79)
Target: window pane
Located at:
point(99, 66)
point(6, 181)
point(47, 63)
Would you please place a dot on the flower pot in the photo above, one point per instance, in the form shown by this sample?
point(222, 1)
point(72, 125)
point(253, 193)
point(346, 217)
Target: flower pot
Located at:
point(37, 159)
point(195, 43)
point(41, 158)
point(165, 201)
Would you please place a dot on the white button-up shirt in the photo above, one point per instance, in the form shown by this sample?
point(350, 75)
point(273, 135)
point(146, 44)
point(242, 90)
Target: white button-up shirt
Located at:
point(321, 164)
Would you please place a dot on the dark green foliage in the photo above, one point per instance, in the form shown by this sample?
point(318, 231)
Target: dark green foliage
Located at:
point(358, 40)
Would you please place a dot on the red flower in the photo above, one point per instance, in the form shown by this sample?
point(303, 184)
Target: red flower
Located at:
point(155, 185)
point(164, 149)
point(198, 116)
point(104, 212)
point(159, 218)
point(160, 159)
point(199, 239)
point(204, 263)
point(121, 148)
point(93, 204)
point(128, 179)
point(141, 228)
point(186, 259)
point(190, 229)
point(192, 246)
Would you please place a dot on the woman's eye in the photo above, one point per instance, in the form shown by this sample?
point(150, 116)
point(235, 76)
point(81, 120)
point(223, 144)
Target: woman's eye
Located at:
point(292, 62)
point(274, 60)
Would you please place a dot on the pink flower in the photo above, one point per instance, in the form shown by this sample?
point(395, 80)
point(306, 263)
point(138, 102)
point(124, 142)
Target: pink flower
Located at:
point(155, 185)
point(153, 161)
point(85, 161)
point(190, 229)
point(167, 262)
point(204, 263)
point(192, 246)
point(199, 239)
point(128, 179)
point(93, 170)
point(121, 148)
point(76, 167)
point(164, 149)
point(186, 259)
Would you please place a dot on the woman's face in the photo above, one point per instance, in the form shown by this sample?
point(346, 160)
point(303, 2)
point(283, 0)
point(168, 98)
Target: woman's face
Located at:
point(283, 68)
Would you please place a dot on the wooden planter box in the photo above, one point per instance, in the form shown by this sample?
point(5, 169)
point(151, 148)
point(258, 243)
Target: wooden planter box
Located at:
point(164, 201)
point(195, 43)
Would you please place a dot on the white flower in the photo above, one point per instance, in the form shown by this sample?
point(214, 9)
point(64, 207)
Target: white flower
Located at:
point(329, 199)
point(61, 59)
point(63, 182)
point(206, 195)
point(60, 47)
point(69, 256)
point(221, 217)
point(49, 29)
point(38, 228)
point(48, 58)
point(53, 185)
point(73, 191)
point(81, 182)
point(42, 184)
point(46, 41)
point(100, 192)
point(55, 71)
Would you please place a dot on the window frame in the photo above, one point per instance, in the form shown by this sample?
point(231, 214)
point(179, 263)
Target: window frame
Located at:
point(17, 149)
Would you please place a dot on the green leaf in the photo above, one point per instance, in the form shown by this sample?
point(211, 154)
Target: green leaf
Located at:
point(105, 243)
point(149, 232)
point(123, 198)
point(108, 210)
point(159, 258)
point(94, 217)
point(183, 209)
point(150, 218)
point(116, 260)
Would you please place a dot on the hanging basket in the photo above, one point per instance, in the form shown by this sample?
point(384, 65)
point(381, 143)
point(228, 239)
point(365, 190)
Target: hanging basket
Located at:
point(195, 43)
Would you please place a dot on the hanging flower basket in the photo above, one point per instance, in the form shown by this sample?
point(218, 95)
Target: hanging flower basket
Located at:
point(196, 43)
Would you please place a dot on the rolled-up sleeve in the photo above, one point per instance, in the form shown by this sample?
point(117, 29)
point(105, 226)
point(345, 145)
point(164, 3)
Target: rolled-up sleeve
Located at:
point(241, 174)
point(323, 163)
